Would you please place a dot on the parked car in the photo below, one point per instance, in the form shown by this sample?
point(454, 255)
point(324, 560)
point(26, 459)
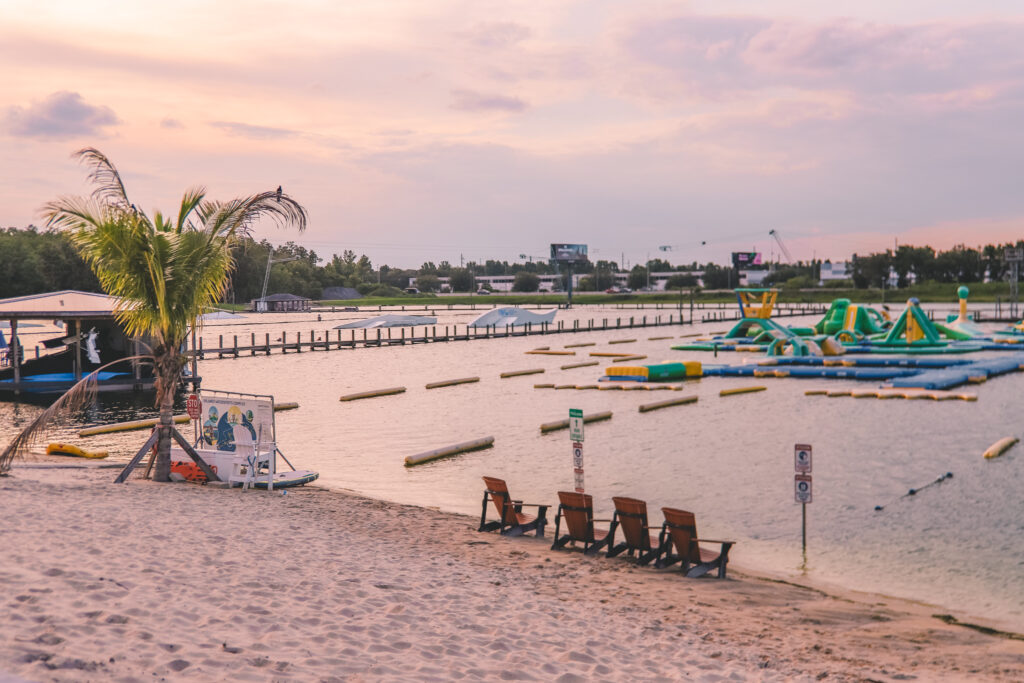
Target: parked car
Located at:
point(411, 290)
point(618, 290)
point(482, 291)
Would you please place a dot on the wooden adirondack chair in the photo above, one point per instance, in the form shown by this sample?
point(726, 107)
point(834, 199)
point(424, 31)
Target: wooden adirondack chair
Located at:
point(631, 517)
point(512, 521)
point(680, 530)
point(578, 511)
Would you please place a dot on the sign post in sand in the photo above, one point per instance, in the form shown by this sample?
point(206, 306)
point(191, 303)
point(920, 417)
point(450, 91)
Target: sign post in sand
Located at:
point(576, 438)
point(802, 484)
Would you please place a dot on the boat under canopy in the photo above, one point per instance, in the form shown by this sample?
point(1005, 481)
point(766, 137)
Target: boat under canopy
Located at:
point(389, 320)
point(512, 316)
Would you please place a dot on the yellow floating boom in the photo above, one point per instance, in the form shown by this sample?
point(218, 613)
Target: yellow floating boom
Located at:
point(564, 424)
point(608, 354)
point(544, 352)
point(682, 400)
point(576, 346)
point(518, 373)
point(128, 426)
point(622, 341)
point(625, 359)
point(286, 405)
point(452, 382)
point(464, 447)
point(371, 394)
point(1000, 447)
point(740, 390)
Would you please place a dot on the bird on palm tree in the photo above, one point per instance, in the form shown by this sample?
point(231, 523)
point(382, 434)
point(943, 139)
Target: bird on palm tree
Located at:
point(164, 272)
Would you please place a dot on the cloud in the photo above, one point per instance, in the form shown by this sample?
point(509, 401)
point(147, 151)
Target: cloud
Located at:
point(246, 130)
point(171, 123)
point(63, 114)
point(471, 100)
point(497, 34)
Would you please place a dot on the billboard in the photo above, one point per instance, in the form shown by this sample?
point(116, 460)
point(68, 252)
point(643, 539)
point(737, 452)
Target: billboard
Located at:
point(745, 259)
point(568, 253)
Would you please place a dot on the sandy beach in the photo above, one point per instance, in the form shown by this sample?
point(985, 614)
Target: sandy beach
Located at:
point(148, 581)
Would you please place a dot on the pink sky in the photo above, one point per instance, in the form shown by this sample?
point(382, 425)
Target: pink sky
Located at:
point(418, 131)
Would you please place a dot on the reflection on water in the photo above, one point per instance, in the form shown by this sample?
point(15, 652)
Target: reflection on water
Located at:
point(958, 543)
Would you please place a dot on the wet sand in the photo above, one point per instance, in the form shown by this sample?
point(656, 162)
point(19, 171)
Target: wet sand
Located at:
point(148, 581)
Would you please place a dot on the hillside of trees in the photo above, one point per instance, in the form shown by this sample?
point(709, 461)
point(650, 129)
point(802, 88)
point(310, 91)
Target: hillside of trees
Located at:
point(33, 261)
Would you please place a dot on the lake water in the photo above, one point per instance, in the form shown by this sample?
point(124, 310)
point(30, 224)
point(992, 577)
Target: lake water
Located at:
point(958, 544)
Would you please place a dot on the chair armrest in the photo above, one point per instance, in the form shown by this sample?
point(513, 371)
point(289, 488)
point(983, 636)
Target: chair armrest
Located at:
point(712, 540)
point(529, 505)
point(603, 520)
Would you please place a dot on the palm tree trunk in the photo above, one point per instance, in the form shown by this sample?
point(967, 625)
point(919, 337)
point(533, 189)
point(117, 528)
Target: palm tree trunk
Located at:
point(162, 472)
point(167, 369)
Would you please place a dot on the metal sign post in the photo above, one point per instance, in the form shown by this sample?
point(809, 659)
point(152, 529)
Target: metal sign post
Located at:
point(576, 437)
point(194, 408)
point(802, 486)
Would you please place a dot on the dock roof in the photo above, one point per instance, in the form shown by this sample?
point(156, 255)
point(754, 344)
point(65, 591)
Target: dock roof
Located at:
point(63, 305)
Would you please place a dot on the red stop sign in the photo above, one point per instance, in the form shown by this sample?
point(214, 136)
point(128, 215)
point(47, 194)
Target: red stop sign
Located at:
point(194, 406)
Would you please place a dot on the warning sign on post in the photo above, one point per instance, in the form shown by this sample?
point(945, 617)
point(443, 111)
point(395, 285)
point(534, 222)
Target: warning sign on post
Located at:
point(802, 486)
point(802, 458)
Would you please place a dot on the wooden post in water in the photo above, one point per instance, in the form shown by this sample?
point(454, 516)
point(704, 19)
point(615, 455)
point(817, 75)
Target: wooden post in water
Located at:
point(267, 347)
point(284, 342)
point(220, 346)
point(252, 344)
point(236, 346)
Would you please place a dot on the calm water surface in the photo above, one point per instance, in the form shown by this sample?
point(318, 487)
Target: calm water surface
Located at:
point(958, 545)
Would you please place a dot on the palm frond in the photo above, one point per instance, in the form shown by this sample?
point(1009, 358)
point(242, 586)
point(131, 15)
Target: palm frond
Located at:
point(77, 397)
point(109, 187)
point(234, 218)
point(190, 202)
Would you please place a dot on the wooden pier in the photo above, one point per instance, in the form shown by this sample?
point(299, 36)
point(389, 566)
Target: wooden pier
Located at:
point(332, 340)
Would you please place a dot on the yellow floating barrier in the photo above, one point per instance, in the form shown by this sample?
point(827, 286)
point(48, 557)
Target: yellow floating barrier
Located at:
point(816, 392)
point(622, 341)
point(452, 382)
point(764, 373)
point(682, 400)
point(584, 364)
point(518, 373)
point(1000, 447)
point(977, 379)
point(542, 348)
point(128, 426)
point(545, 352)
point(864, 394)
point(608, 354)
point(781, 373)
point(583, 387)
point(767, 361)
point(625, 359)
point(693, 334)
point(565, 386)
point(838, 392)
point(543, 386)
point(74, 451)
point(371, 394)
point(611, 387)
point(740, 390)
point(286, 405)
point(576, 346)
point(564, 424)
point(659, 338)
point(464, 447)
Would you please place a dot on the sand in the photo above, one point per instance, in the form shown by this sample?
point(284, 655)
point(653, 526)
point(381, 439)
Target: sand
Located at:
point(145, 581)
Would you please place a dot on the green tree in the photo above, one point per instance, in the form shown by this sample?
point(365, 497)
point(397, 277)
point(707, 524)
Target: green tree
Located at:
point(164, 272)
point(681, 281)
point(462, 280)
point(428, 283)
point(526, 282)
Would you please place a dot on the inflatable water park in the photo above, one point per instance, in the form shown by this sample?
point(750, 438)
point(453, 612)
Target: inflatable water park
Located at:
point(851, 341)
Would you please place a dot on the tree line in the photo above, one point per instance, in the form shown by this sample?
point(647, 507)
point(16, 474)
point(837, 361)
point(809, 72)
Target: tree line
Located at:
point(33, 261)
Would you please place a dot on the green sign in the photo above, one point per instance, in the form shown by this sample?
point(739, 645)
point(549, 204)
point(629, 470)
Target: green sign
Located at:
point(575, 424)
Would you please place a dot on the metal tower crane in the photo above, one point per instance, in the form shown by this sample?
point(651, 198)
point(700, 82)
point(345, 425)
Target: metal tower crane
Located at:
point(782, 246)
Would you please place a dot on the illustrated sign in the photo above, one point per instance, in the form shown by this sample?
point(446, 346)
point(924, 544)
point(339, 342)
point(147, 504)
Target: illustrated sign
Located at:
point(194, 406)
point(744, 259)
point(575, 424)
point(232, 420)
point(802, 458)
point(802, 486)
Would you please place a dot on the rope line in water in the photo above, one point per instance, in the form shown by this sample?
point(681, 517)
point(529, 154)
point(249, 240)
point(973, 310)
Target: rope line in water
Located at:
point(914, 492)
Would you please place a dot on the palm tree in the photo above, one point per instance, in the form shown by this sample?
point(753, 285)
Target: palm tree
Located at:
point(165, 273)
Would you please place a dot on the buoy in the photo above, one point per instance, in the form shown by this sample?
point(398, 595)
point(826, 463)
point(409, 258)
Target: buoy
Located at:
point(682, 400)
point(452, 382)
point(543, 386)
point(1000, 447)
point(128, 426)
point(740, 390)
point(518, 373)
point(286, 405)
point(542, 352)
point(464, 447)
point(74, 451)
point(371, 394)
point(625, 359)
point(584, 364)
point(564, 424)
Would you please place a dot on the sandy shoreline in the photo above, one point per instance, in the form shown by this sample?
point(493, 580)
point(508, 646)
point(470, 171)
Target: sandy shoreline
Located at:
point(146, 581)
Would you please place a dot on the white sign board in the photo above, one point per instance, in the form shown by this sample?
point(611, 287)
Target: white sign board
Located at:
point(228, 421)
point(802, 458)
point(575, 424)
point(577, 465)
point(802, 486)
